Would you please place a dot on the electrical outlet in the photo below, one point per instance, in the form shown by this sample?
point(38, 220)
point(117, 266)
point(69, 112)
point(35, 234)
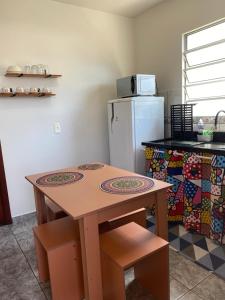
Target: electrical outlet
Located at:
point(57, 128)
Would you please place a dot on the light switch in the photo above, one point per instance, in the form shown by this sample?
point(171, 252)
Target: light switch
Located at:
point(57, 128)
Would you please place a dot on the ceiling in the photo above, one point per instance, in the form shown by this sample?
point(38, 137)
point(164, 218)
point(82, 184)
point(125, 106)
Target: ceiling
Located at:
point(128, 8)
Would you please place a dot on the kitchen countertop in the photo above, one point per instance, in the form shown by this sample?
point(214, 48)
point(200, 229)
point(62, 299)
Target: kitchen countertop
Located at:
point(194, 146)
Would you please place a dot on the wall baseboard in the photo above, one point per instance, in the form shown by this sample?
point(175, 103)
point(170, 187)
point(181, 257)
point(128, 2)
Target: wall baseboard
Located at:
point(27, 213)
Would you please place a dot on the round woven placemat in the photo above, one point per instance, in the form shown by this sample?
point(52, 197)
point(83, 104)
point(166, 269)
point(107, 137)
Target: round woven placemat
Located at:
point(127, 185)
point(90, 167)
point(60, 178)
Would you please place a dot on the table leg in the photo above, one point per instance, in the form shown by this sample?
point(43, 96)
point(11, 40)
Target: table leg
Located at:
point(162, 214)
point(90, 249)
point(40, 206)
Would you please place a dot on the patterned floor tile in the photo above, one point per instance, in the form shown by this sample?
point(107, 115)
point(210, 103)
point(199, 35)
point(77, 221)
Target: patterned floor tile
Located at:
point(211, 244)
point(211, 262)
point(174, 230)
point(46, 288)
point(176, 244)
point(188, 237)
point(17, 280)
point(190, 296)
point(31, 259)
point(184, 244)
point(23, 223)
point(188, 273)
point(202, 244)
point(177, 289)
point(212, 288)
point(206, 262)
point(25, 240)
point(174, 258)
point(5, 232)
point(219, 252)
point(199, 252)
point(198, 248)
point(9, 247)
point(189, 252)
point(171, 236)
point(221, 271)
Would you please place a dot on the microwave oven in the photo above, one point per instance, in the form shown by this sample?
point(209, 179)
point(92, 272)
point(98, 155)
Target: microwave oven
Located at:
point(136, 85)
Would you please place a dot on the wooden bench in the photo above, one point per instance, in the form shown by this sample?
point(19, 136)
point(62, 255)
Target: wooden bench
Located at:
point(134, 246)
point(59, 258)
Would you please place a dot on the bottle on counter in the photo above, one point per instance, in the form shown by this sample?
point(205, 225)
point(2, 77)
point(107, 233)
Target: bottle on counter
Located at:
point(200, 126)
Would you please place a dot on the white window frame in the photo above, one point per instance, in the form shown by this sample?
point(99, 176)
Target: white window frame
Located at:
point(185, 65)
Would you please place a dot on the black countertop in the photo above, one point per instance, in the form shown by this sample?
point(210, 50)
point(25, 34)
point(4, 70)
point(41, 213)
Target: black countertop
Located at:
point(194, 146)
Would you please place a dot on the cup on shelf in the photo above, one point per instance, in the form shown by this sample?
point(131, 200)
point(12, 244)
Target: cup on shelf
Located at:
point(27, 91)
point(46, 90)
point(46, 69)
point(20, 90)
point(41, 69)
point(6, 90)
point(14, 69)
point(27, 69)
point(34, 69)
point(34, 90)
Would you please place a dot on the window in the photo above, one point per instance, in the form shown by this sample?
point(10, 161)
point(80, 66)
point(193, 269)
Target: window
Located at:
point(204, 67)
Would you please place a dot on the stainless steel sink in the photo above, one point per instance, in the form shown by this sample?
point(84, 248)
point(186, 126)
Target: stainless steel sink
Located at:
point(212, 145)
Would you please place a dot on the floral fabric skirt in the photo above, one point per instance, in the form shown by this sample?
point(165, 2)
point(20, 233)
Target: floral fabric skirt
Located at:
point(197, 197)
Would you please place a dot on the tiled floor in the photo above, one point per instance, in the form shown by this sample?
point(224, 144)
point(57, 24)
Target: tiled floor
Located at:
point(19, 281)
point(198, 248)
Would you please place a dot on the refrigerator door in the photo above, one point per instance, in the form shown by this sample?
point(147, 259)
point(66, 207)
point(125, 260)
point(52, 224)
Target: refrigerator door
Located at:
point(121, 134)
point(149, 125)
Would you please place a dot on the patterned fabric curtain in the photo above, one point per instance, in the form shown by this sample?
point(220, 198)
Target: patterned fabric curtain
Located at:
point(217, 180)
point(196, 193)
point(197, 197)
point(164, 165)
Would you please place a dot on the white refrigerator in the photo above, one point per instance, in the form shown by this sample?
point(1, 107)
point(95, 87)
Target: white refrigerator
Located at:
point(132, 121)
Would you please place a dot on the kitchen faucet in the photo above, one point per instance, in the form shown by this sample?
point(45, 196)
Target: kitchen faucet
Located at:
point(216, 118)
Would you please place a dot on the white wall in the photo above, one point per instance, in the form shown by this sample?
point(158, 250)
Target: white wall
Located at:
point(158, 39)
point(91, 49)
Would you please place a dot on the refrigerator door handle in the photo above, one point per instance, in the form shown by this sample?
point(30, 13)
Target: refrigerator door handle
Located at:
point(112, 117)
point(132, 85)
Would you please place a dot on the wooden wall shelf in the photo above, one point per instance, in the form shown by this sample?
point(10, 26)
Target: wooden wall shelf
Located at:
point(32, 75)
point(27, 95)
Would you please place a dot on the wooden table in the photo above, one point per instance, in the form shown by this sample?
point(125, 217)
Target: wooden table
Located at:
point(87, 203)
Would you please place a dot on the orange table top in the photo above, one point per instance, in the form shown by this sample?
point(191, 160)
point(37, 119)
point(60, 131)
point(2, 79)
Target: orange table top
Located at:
point(85, 196)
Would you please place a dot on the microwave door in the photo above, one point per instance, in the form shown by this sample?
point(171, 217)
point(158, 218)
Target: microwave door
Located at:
point(146, 85)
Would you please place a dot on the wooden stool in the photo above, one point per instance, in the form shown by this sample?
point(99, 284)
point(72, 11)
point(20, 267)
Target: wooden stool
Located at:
point(137, 216)
point(134, 246)
point(59, 258)
point(54, 212)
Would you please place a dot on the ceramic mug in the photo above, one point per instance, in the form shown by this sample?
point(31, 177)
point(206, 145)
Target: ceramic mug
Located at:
point(20, 90)
point(34, 69)
point(46, 90)
point(27, 69)
point(27, 90)
point(34, 90)
point(6, 90)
